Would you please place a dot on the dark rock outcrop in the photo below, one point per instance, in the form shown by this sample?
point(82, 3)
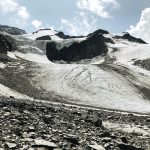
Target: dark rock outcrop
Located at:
point(99, 31)
point(128, 37)
point(91, 47)
point(11, 30)
point(143, 63)
point(46, 37)
point(98, 123)
point(62, 35)
point(5, 44)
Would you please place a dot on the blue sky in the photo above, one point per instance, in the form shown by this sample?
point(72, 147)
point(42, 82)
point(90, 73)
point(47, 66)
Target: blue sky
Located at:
point(74, 16)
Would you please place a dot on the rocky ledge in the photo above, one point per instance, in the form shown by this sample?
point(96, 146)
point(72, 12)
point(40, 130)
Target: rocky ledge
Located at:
point(26, 125)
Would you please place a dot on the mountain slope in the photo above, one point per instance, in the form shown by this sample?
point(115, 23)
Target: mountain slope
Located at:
point(97, 70)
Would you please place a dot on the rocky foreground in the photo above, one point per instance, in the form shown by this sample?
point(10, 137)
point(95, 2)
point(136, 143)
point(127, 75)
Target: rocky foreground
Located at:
point(26, 125)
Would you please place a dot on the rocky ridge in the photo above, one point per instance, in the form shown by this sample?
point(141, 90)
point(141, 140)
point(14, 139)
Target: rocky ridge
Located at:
point(11, 30)
point(130, 38)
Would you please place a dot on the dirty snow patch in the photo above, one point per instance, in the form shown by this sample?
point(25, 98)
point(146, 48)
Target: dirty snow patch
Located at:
point(7, 92)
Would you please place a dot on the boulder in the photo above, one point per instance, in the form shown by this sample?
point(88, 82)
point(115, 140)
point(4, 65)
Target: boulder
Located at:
point(128, 147)
point(11, 146)
point(43, 145)
point(96, 147)
point(48, 119)
point(98, 123)
point(72, 138)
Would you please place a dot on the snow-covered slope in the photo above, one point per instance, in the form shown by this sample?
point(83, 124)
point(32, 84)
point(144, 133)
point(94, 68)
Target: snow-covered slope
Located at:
point(40, 33)
point(127, 52)
point(110, 81)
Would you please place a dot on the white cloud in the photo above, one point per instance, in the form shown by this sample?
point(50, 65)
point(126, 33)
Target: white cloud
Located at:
point(8, 6)
point(98, 7)
point(37, 24)
point(22, 12)
point(79, 25)
point(142, 28)
point(19, 14)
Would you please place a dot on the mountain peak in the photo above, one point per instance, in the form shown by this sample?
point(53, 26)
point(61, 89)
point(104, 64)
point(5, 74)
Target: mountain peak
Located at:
point(130, 38)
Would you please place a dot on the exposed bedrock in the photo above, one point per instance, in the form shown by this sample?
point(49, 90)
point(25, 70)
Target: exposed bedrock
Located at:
point(6, 44)
point(46, 37)
point(62, 35)
point(143, 63)
point(130, 38)
point(93, 46)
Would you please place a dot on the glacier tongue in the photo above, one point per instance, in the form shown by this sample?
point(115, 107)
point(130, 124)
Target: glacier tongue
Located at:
point(92, 85)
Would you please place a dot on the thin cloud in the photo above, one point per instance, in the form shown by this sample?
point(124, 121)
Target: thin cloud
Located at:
point(37, 24)
point(98, 7)
point(79, 25)
point(85, 20)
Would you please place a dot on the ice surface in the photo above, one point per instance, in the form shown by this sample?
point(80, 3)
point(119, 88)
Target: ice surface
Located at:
point(91, 85)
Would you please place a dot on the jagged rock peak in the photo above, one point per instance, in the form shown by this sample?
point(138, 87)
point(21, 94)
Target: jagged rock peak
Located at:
point(11, 30)
point(128, 37)
point(99, 31)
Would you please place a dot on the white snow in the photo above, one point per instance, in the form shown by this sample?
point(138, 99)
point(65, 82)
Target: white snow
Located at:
point(2, 65)
point(33, 57)
point(127, 53)
point(11, 55)
point(108, 36)
point(40, 33)
point(60, 43)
